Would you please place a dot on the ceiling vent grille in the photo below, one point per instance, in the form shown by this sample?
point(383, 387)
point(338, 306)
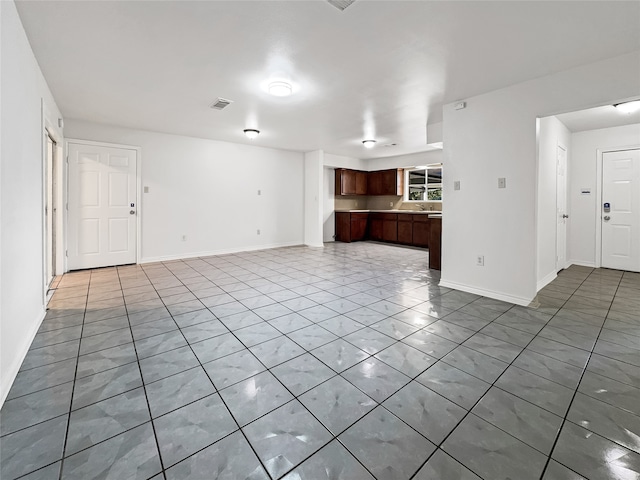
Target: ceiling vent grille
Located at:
point(341, 4)
point(221, 103)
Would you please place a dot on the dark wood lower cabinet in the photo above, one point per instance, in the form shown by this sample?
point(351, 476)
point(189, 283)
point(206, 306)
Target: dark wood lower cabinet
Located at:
point(405, 230)
point(358, 226)
point(421, 230)
point(343, 226)
point(389, 227)
point(435, 243)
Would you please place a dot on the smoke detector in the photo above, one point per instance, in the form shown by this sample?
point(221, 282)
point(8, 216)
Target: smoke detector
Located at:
point(221, 103)
point(341, 4)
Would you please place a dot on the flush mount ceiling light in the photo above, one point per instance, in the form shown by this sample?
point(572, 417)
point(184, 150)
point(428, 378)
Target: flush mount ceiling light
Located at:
point(280, 89)
point(369, 143)
point(628, 107)
point(251, 133)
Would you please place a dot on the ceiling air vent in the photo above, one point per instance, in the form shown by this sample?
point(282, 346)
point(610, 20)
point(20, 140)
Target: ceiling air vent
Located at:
point(341, 4)
point(221, 103)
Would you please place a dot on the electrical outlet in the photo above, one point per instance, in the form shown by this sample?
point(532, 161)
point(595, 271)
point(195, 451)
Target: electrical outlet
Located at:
point(480, 260)
point(456, 185)
point(146, 189)
point(502, 182)
point(259, 192)
point(184, 238)
point(356, 204)
point(258, 231)
point(391, 204)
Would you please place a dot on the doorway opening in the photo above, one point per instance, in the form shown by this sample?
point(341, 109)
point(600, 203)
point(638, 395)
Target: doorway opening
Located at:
point(50, 210)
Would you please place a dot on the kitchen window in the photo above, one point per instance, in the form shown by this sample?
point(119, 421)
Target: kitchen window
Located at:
point(424, 184)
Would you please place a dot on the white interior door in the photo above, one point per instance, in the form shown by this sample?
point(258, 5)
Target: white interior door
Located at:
point(621, 217)
point(102, 206)
point(561, 208)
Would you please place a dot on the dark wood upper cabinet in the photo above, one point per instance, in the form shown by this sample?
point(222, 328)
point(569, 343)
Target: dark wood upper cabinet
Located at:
point(350, 182)
point(361, 183)
point(345, 181)
point(386, 182)
point(382, 182)
point(393, 182)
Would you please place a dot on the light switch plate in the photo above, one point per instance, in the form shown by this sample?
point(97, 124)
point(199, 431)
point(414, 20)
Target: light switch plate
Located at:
point(456, 185)
point(146, 189)
point(502, 182)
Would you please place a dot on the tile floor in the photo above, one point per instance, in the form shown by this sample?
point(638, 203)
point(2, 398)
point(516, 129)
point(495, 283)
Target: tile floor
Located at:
point(347, 362)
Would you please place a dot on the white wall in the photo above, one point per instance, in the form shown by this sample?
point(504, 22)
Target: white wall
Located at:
point(401, 161)
point(585, 212)
point(313, 200)
point(552, 133)
point(25, 96)
point(328, 204)
point(495, 136)
point(208, 191)
point(339, 161)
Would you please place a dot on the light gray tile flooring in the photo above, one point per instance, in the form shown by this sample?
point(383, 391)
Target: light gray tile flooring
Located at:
point(347, 362)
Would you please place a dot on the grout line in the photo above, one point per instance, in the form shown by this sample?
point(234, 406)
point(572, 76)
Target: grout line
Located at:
point(575, 392)
point(75, 374)
point(299, 278)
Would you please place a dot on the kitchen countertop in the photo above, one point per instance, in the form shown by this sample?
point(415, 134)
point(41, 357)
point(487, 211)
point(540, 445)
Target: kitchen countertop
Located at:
point(435, 213)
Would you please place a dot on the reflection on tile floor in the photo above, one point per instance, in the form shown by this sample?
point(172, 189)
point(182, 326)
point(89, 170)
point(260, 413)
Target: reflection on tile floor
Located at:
point(347, 362)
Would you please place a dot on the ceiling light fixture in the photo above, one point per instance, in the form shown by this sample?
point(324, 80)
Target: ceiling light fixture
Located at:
point(369, 143)
point(251, 133)
point(280, 89)
point(628, 107)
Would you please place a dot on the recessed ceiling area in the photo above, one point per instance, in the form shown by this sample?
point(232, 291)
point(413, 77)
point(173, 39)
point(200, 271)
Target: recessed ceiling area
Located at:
point(377, 70)
point(600, 117)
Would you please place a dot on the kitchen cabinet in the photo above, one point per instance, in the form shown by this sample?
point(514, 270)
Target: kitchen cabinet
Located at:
point(386, 182)
point(382, 182)
point(361, 183)
point(375, 226)
point(345, 181)
point(350, 182)
point(389, 227)
point(435, 243)
point(405, 229)
point(358, 226)
point(351, 227)
point(420, 230)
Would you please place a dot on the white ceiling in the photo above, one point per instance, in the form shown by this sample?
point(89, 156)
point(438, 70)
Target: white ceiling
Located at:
point(599, 117)
point(380, 69)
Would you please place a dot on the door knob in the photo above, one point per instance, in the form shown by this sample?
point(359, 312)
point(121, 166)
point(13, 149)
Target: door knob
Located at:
point(132, 212)
point(607, 218)
point(564, 215)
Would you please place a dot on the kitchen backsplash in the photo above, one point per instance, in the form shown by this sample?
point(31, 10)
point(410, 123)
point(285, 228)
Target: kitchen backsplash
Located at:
point(391, 202)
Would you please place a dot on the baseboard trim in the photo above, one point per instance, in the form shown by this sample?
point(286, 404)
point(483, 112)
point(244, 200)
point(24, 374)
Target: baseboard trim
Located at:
point(223, 251)
point(546, 280)
point(581, 264)
point(486, 293)
point(9, 377)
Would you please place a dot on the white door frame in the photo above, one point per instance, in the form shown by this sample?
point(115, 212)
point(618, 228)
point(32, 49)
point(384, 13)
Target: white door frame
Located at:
point(566, 205)
point(138, 189)
point(48, 128)
point(598, 212)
